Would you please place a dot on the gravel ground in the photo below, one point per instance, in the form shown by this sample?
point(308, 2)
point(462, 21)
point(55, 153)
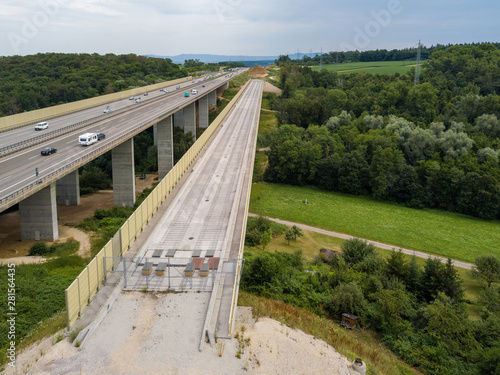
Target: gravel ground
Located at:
point(146, 333)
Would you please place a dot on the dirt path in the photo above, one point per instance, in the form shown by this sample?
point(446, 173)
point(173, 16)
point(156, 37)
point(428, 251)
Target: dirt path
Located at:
point(381, 245)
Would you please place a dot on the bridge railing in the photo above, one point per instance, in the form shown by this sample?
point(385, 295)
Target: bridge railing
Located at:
point(32, 117)
point(82, 290)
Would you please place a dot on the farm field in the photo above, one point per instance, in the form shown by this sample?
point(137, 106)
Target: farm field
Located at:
point(435, 232)
point(374, 67)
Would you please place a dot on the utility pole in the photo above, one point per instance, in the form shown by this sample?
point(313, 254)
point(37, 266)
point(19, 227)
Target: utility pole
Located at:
point(417, 66)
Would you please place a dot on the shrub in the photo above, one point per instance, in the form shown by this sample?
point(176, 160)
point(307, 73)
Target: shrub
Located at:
point(40, 248)
point(356, 250)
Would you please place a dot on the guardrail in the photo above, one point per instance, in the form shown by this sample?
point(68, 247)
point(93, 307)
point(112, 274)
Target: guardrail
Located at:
point(7, 150)
point(79, 294)
point(32, 117)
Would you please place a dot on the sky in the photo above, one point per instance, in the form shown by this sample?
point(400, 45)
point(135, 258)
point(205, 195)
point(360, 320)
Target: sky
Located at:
point(240, 27)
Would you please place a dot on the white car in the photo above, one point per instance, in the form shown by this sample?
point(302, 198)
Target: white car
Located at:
point(138, 100)
point(42, 125)
point(194, 91)
point(131, 98)
point(107, 110)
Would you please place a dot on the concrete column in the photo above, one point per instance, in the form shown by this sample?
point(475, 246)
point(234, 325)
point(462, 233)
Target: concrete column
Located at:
point(189, 119)
point(155, 135)
point(38, 215)
point(212, 98)
point(123, 174)
point(203, 112)
point(165, 146)
point(68, 189)
point(178, 119)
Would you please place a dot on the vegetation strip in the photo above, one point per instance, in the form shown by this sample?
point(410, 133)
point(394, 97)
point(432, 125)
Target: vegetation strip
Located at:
point(375, 243)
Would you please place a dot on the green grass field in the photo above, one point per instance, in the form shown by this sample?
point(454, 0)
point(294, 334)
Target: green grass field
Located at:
point(432, 231)
point(375, 67)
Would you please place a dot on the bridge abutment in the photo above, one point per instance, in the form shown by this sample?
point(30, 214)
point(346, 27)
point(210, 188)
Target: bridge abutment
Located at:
point(38, 215)
point(123, 174)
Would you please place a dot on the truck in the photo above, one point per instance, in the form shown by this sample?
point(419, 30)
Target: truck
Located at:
point(87, 139)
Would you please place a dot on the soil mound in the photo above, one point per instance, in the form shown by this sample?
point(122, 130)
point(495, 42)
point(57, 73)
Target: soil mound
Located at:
point(258, 71)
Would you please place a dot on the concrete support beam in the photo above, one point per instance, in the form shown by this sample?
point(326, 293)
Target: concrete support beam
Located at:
point(38, 215)
point(123, 174)
point(165, 136)
point(203, 112)
point(68, 189)
point(155, 135)
point(189, 119)
point(178, 119)
point(212, 98)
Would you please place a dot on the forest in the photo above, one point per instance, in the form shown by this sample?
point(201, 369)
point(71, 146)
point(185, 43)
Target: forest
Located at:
point(435, 144)
point(47, 79)
point(339, 57)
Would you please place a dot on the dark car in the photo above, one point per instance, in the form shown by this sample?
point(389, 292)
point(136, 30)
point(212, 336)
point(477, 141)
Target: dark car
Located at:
point(48, 151)
point(100, 136)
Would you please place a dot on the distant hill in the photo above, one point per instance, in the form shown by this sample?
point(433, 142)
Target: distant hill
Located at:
point(207, 58)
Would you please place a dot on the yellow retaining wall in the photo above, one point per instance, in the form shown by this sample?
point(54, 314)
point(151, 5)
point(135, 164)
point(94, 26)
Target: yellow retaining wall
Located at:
point(37, 115)
point(80, 292)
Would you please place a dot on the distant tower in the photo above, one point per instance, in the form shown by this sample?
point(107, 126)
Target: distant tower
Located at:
point(321, 60)
point(417, 66)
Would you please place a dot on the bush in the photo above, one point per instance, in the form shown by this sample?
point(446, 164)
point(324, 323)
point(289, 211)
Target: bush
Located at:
point(40, 248)
point(356, 250)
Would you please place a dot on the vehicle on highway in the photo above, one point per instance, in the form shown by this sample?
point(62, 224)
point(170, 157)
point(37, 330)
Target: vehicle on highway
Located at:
point(48, 151)
point(138, 100)
point(165, 91)
point(145, 94)
point(131, 98)
point(186, 94)
point(107, 110)
point(194, 91)
point(100, 136)
point(87, 139)
point(202, 85)
point(42, 125)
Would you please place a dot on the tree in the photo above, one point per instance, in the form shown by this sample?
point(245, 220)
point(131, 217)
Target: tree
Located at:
point(487, 268)
point(397, 266)
point(356, 250)
point(266, 238)
point(346, 298)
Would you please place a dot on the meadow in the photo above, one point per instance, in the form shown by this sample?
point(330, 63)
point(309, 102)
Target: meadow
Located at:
point(435, 232)
point(374, 67)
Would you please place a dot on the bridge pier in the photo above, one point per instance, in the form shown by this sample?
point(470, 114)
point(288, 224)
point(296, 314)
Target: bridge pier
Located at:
point(165, 138)
point(38, 215)
point(178, 119)
point(189, 119)
point(212, 98)
point(123, 174)
point(68, 189)
point(203, 112)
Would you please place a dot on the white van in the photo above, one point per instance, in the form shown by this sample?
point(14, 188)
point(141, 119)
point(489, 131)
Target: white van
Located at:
point(87, 139)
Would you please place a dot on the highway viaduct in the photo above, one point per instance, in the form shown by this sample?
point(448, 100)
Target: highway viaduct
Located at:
point(38, 183)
